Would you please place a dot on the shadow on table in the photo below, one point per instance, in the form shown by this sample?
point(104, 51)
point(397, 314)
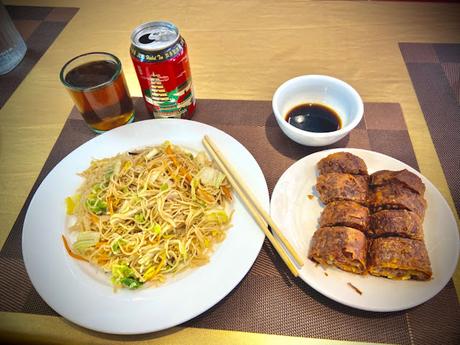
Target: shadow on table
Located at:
point(124, 337)
point(213, 318)
point(288, 148)
point(290, 280)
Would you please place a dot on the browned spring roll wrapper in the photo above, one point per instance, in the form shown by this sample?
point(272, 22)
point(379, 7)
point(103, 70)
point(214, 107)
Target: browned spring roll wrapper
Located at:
point(337, 186)
point(400, 223)
point(395, 196)
point(345, 213)
point(340, 246)
point(342, 162)
point(399, 258)
point(405, 177)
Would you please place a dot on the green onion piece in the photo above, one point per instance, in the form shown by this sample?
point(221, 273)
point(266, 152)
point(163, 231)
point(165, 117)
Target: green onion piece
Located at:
point(131, 283)
point(123, 275)
point(96, 206)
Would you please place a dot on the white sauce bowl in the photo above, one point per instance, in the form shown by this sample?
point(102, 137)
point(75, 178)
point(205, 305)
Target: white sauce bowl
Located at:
point(320, 89)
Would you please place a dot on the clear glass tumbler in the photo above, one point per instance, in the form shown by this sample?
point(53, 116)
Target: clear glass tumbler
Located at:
point(96, 83)
point(12, 46)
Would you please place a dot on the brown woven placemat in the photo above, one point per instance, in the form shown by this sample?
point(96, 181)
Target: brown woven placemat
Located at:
point(39, 27)
point(268, 300)
point(434, 69)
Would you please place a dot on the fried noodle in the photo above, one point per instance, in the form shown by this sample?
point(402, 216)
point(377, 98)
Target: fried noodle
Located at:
point(146, 214)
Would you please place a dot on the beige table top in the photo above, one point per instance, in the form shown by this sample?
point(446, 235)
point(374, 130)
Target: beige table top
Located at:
point(238, 50)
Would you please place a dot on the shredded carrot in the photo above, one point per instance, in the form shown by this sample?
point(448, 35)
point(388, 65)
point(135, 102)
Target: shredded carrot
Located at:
point(94, 218)
point(109, 205)
point(172, 174)
point(186, 174)
point(69, 251)
point(102, 259)
point(170, 154)
point(116, 202)
point(227, 193)
point(162, 263)
point(205, 195)
point(100, 243)
point(153, 272)
point(182, 170)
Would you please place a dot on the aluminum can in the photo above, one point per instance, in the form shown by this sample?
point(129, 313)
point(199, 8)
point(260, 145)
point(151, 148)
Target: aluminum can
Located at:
point(161, 61)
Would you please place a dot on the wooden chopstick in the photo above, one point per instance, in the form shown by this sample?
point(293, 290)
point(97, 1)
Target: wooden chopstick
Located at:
point(260, 216)
point(253, 200)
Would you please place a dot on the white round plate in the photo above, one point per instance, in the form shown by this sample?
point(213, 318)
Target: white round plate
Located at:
point(76, 291)
point(297, 215)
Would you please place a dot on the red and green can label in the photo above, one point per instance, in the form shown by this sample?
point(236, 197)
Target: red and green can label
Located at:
point(166, 80)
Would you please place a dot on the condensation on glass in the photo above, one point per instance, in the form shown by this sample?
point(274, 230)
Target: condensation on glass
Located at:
point(12, 45)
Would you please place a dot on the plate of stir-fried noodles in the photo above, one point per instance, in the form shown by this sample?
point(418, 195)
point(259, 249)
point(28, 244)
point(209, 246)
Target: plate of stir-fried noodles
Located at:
point(138, 230)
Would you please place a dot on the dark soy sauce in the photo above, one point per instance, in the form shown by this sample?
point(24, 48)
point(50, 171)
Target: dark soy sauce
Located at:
point(313, 117)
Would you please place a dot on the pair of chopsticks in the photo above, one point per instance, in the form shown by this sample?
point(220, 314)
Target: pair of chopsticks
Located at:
point(258, 213)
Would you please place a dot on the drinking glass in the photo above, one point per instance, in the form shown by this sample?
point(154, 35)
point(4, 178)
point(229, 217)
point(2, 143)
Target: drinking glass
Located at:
point(96, 83)
point(12, 46)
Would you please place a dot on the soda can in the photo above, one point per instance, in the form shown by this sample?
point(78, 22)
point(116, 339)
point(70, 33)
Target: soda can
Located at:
point(161, 61)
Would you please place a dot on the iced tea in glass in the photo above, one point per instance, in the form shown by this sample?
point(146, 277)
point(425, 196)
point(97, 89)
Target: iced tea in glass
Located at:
point(96, 83)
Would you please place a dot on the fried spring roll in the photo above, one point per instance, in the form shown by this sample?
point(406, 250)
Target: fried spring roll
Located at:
point(400, 223)
point(340, 246)
point(395, 196)
point(399, 258)
point(337, 186)
point(342, 162)
point(345, 213)
point(405, 177)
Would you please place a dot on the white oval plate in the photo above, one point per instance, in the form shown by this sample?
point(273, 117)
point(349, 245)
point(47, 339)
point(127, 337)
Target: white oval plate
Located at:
point(297, 215)
point(75, 290)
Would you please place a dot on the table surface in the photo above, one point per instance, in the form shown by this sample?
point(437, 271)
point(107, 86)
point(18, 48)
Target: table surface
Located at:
point(238, 50)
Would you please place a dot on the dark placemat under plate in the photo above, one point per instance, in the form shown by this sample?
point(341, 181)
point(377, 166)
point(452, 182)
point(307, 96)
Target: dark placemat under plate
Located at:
point(269, 299)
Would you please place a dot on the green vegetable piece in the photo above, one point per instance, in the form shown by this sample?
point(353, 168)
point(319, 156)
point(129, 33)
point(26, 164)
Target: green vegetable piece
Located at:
point(96, 206)
point(155, 228)
point(115, 247)
point(194, 185)
point(219, 216)
point(123, 275)
point(211, 177)
point(85, 240)
point(70, 205)
point(131, 283)
point(139, 218)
